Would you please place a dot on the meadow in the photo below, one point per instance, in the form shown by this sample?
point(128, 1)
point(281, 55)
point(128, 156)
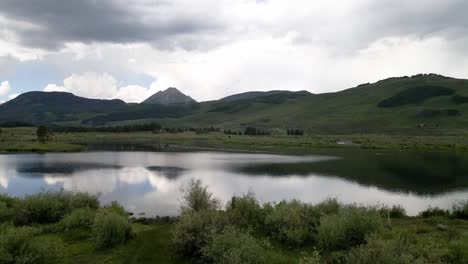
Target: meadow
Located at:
point(25, 140)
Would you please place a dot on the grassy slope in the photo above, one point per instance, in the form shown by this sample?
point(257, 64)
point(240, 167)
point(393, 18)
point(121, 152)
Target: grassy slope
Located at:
point(351, 111)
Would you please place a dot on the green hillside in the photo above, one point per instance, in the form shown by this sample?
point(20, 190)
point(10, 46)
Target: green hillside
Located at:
point(356, 110)
point(418, 104)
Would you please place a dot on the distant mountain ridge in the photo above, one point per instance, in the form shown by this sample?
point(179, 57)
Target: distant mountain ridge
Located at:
point(424, 103)
point(169, 96)
point(52, 106)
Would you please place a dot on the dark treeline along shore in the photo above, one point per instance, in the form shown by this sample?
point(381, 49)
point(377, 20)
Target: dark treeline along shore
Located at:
point(66, 227)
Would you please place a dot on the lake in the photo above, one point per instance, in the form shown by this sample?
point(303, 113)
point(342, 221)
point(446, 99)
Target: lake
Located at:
point(149, 182)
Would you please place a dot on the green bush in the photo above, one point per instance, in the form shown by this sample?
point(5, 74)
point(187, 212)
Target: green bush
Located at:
point(6, 208)
point(434, 212)
point(196, 197)
point(329, 206)
point(292, 223)
point(18, 245)
point(460, 210)
point(110, 229)
point(5, 212)
point(233, 246)
point(396, 251)
point(313, 258)
point(195, 229)
point(79, 218)
point(83, 200)
point(50, 207)
point(348, 228)
point(116, 208)
point(396, 211)
point(245, 212)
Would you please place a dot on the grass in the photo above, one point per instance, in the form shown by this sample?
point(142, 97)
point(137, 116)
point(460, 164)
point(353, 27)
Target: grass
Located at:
point(24, 140)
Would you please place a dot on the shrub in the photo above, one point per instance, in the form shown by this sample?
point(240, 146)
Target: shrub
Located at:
point(233, 246)
point(329, 206)
point(116, 208)
point(5, 212)
point(293, 223)
point(79, 218)
point(83, 200)
point(396, 251)
point(18, 245)
point(194, 230)
point(6, 207)
point(313, 258)
point(396, 211)
point(110, 229)
point(348, 228)
point(460, 210)
point(245, 212)
point(50, 207)
point(196, 197)
point(434, 212)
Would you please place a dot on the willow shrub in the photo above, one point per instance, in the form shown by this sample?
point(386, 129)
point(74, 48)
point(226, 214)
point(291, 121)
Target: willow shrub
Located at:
point(398, 250)
point(110, 229)
point(80, 218)
point(50, 207)
point(293, 223)
point(460, 210)
point(194, 230)
point(245, 212)
point(348, 228)
point(234, 246)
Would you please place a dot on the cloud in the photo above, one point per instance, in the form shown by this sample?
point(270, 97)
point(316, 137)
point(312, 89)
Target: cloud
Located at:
point(52, 23)
point(216, 48)
point(4, 88)
point(100, 86)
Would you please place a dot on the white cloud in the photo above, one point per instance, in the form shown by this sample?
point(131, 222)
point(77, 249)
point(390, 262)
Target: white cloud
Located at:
point(4, 88)
point(320, 46)
point(100, 86)
point(13, 96)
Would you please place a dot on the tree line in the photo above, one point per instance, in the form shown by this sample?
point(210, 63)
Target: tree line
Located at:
point(295, 132)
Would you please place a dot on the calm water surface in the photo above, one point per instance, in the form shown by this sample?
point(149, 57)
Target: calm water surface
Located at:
point(149, 182)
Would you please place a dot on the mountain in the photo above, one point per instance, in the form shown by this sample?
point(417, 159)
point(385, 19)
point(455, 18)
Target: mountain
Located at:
point(169, 96)
point(46, 107)
point(255, 94)
point(424, 103)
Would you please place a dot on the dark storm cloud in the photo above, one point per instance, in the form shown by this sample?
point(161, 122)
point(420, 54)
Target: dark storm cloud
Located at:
point(89, 21)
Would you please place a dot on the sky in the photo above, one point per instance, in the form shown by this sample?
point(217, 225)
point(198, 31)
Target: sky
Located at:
point(208, 49)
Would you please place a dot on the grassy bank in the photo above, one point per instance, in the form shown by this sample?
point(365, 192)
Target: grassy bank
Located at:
point(24, 140)
point(68, 227)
